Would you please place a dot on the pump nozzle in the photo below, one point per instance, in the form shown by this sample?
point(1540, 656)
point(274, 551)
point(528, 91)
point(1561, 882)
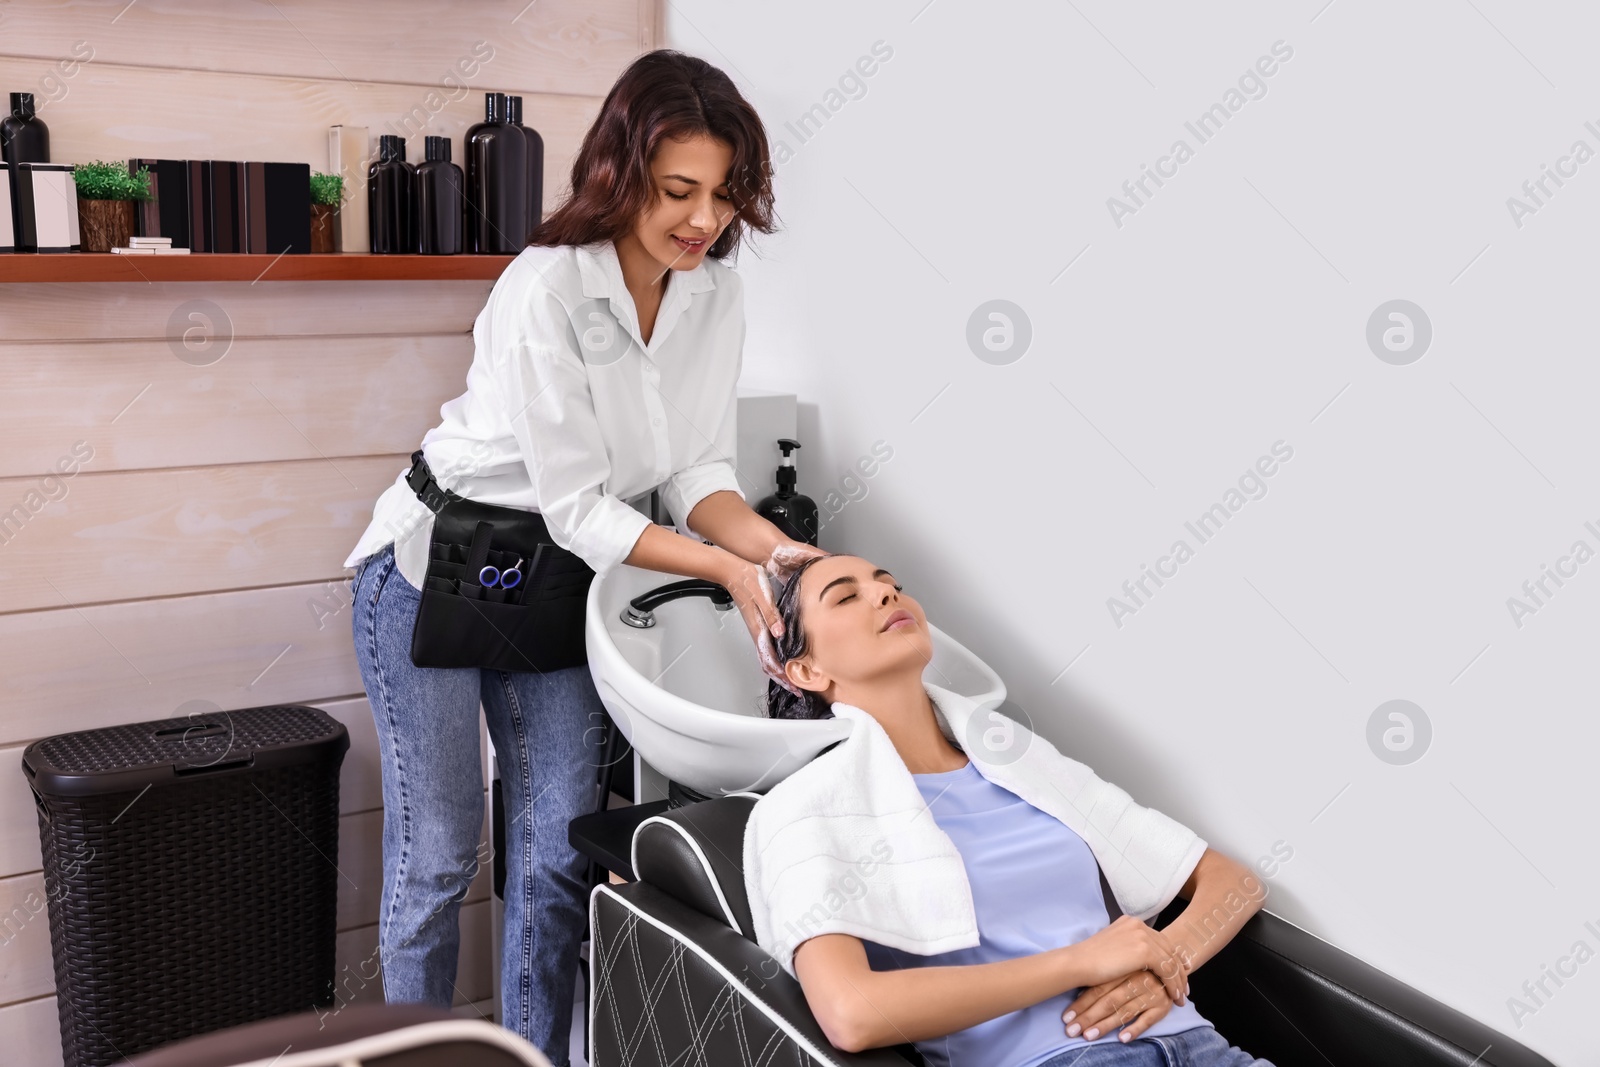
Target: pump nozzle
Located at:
point(787, 475)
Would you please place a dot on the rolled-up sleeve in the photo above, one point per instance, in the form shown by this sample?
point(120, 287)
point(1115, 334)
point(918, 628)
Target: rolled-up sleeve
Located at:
point(713, 469)
point(553, 420)
point(711, 473)
point(691, 485)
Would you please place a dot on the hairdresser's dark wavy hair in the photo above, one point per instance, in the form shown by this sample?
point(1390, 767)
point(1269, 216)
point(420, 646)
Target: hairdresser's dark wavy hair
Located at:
point(664, 94)
point(782, 704)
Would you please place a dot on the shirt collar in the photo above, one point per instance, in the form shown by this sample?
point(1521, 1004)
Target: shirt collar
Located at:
point(601, 274)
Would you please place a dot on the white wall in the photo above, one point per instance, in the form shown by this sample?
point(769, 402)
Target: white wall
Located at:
point(1230, 312)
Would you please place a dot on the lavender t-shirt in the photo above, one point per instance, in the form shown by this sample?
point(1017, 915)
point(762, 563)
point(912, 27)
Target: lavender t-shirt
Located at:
point(1034, 886)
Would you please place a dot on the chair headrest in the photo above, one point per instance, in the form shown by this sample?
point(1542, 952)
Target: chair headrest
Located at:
point(696, 853)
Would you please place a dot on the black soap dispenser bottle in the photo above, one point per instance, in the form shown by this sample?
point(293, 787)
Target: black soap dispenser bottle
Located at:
point(535, 164)
point(438, 200)
point(793, 513)
point(391, 208)
point(497, 182)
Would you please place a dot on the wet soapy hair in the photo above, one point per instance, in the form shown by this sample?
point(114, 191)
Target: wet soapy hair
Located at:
point(782, 704)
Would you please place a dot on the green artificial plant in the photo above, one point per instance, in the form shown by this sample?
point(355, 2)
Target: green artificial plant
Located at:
point(326, 188)
point(111, 181)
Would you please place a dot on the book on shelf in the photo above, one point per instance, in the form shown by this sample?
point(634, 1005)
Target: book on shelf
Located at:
point(227, 205)
point(167, 212)
point(277, 208)
point(199, 204)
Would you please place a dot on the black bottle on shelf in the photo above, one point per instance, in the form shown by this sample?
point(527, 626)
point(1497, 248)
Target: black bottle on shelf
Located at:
point(535, 164)
point(438, 200)
point(390, 204)
point(497, 182)
point(24, 138)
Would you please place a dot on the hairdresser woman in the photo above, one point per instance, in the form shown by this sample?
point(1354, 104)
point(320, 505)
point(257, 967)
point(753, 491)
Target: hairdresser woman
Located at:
point(605, 365)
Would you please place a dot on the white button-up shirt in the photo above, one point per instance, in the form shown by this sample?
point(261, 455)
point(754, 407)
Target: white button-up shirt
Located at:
point(569, 413)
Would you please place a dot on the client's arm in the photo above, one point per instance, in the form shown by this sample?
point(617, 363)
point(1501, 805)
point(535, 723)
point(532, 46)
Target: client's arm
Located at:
point(1222, 895)
point(860, 1008)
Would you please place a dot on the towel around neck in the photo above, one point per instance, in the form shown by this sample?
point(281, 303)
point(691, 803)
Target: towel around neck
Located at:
point(846, 844)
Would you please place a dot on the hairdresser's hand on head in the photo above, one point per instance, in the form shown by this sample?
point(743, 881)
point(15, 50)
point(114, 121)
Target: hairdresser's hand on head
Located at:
point(752, 594)
point(787, 556)
point(1135, 1002)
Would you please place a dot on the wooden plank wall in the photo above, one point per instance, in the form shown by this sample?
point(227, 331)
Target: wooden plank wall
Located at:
point(196, 552)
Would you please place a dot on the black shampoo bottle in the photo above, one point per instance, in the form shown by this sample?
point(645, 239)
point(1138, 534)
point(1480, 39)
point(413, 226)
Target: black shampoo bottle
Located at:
point(535, 163)
point(438, 200)
point(497, 182)
point(793, 513)
point(390, 208)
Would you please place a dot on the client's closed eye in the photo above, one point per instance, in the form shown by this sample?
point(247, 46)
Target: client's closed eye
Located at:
point(898, 588)
point(849, 582)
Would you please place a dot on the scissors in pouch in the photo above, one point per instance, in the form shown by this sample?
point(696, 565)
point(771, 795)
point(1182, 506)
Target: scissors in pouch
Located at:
point(492, 577)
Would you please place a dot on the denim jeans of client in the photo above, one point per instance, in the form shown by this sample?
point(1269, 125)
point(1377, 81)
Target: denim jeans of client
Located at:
point(546, 734)
point(1200, 1046)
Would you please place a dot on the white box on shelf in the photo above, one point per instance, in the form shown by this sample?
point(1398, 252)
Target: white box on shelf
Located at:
point(47, 207)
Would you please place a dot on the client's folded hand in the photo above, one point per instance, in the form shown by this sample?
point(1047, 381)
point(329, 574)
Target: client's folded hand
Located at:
point(1136, 1001)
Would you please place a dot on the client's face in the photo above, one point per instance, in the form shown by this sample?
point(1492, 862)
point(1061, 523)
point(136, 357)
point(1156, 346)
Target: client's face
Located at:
point(859, 625)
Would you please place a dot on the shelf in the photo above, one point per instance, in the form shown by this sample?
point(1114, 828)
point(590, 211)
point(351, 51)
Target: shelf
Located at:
point(229, 267)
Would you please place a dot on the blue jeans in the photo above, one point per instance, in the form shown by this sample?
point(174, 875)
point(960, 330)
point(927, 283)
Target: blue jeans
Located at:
point(547, 735)
point(1199, 1046)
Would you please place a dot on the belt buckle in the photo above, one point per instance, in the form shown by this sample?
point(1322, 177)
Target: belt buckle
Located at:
point(430, 492)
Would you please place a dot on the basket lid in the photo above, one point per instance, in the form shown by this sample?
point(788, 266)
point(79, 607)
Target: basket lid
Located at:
point(115, 759)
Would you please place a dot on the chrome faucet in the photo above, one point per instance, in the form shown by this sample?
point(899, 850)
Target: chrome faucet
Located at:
point(640, 612)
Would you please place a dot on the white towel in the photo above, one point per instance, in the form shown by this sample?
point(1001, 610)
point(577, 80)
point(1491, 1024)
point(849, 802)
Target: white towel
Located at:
point(846, 843)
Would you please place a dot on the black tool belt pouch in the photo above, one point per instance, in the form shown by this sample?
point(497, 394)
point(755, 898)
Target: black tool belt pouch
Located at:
point(537, 625)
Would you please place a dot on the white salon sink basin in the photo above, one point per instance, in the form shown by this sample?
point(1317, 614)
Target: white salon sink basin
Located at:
point(690, 696)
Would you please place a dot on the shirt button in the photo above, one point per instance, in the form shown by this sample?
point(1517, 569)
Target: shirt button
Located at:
point(655, 422)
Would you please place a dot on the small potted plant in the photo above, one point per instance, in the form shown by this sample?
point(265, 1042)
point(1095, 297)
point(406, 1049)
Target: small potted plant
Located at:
point(106, 192)
point(326, 190)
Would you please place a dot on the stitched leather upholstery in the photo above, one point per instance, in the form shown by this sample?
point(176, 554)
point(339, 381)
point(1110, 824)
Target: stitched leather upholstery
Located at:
point(675, 983)
point(672, 987)
point(664, 857)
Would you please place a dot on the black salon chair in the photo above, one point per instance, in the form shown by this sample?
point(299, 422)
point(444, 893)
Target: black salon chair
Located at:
point(677, 977)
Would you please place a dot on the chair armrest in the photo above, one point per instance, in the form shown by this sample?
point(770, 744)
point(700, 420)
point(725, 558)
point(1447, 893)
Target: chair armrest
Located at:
point(1285, 995)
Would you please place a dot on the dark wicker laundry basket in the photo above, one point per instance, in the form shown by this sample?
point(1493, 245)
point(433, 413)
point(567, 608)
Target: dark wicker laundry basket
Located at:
point(189, 870)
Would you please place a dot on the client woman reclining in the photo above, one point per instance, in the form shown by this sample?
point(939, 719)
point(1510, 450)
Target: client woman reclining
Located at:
point(1025, 968)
